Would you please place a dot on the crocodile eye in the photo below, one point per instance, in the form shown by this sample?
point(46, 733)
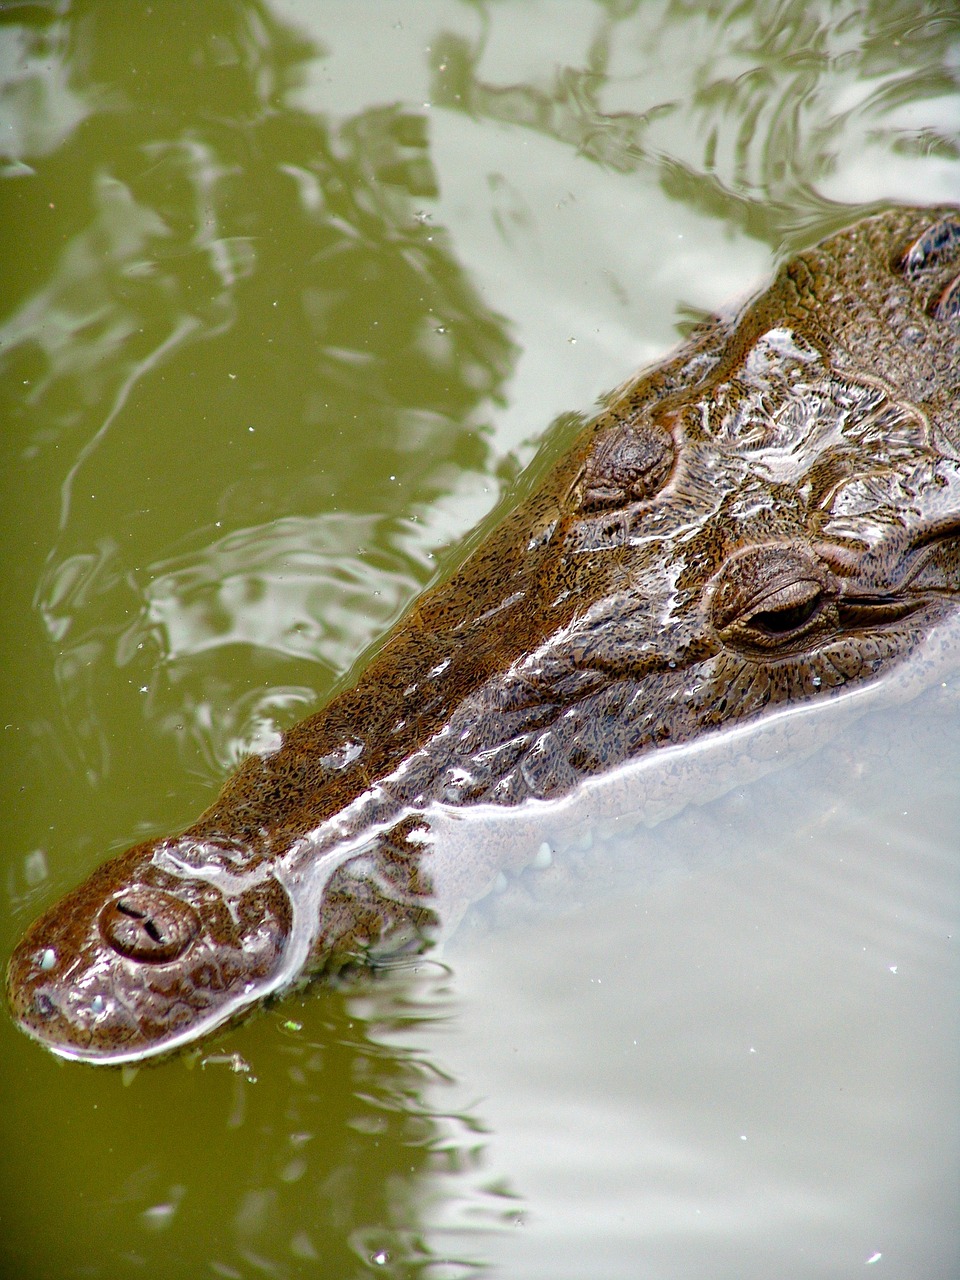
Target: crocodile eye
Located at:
point(772, 599)
point(787, 616)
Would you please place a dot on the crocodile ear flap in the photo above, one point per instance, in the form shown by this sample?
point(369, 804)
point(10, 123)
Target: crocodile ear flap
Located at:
point(629, 462)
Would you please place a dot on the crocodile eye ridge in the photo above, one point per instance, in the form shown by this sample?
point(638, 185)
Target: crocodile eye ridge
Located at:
point(629, 462)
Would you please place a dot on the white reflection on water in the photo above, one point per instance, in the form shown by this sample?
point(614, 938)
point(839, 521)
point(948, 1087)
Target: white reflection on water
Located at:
point(38, 105)
point(299, 586)
point(732, 1049)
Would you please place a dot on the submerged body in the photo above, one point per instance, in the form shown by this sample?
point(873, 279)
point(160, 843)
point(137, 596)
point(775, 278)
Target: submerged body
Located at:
point(769, 518)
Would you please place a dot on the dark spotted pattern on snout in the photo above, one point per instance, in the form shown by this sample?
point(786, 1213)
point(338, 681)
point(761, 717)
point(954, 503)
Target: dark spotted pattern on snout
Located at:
point(769, 517)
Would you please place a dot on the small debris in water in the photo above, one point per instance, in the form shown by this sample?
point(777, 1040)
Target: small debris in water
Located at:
point(35, 868)
point(380, 1258)
point(235, 1061)
point(48, 959)
point(874, 1257)
point(159, 1215)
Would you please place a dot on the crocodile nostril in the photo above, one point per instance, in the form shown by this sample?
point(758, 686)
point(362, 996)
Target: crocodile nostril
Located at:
point(149, 925)
point(43, 1006)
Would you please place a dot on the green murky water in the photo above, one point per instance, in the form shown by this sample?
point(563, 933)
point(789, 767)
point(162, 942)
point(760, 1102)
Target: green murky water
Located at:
point(290, 294)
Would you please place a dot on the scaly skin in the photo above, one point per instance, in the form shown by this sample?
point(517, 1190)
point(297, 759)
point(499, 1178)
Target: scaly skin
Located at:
point(769, 517)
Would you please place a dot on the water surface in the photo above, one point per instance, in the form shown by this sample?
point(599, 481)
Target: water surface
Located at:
point(291, 294)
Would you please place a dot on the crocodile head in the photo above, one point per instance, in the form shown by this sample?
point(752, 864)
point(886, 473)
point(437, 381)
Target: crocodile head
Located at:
point(769, 518)
point(772, 516)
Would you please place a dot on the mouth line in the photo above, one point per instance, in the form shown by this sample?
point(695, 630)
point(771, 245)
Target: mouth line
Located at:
point(872, 611)
point(78, 1044)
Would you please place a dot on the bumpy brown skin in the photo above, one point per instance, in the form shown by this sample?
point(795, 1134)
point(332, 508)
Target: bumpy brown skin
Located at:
point(771, 515)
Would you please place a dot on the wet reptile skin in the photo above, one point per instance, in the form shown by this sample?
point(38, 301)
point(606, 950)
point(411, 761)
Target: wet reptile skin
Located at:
point(769, 517)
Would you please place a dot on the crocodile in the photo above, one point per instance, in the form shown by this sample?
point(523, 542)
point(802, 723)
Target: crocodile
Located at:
point(768, 519)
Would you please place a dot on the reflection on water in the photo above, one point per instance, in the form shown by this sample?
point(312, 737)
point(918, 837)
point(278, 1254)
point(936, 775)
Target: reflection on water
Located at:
point(743, 1064)
point(770, 113)
point(288, 298)
point(336, 330)
point(338, 1158)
